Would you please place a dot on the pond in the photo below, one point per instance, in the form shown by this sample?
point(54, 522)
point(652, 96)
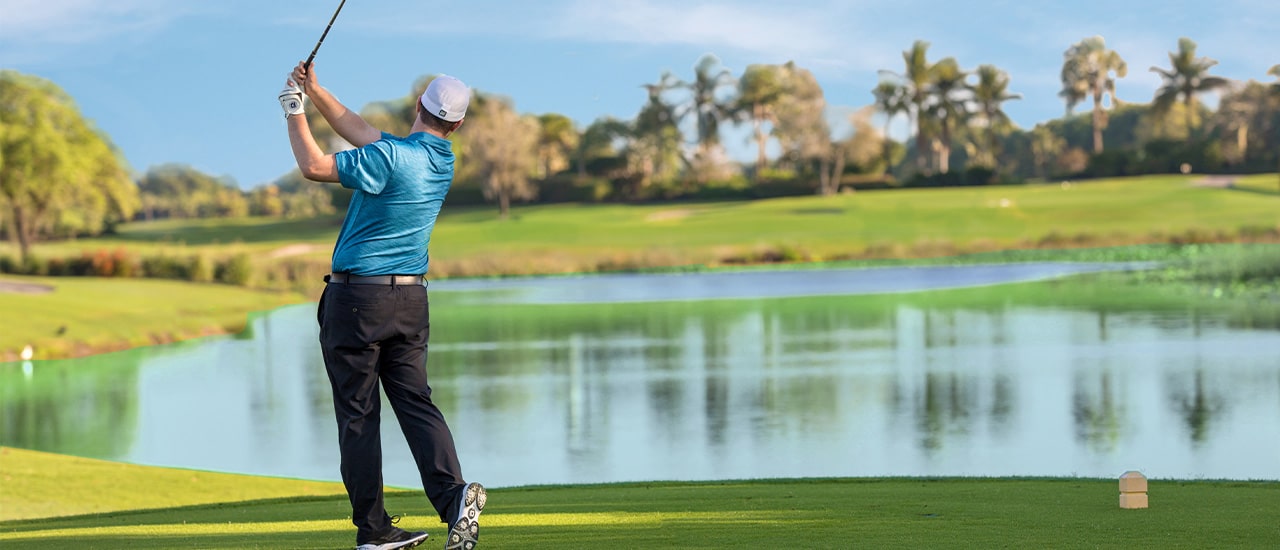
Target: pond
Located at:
point(808, 373)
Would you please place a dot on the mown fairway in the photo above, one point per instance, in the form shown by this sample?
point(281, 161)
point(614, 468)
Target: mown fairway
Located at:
point(104, 314)
point(69, 316)
point(102, 507)
point(902, 223)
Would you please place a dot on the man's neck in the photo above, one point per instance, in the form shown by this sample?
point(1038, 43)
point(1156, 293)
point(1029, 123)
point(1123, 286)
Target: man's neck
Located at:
point(418, 126)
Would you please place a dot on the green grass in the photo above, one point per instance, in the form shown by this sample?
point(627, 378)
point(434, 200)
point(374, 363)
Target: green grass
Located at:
point(560, 238)
point(88, 315)
point(99, 505)
point(959, 224)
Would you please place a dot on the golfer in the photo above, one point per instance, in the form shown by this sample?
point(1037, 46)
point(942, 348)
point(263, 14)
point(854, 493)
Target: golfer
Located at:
point(374, 320)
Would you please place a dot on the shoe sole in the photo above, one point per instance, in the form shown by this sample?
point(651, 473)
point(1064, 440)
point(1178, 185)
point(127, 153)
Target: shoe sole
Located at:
point(465, 532)
point(397, 545)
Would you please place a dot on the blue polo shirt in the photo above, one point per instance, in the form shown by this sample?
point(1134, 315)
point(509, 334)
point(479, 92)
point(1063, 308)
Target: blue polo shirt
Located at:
point(400, 185)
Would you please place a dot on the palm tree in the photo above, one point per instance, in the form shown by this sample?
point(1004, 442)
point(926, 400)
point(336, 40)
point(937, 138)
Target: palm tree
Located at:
point(947, 105)
point(1188, 78)
point(989, 95)
point(915, 81)
point(891, 99)
point(705, 106)
point(759, 90)
point(1087, 70)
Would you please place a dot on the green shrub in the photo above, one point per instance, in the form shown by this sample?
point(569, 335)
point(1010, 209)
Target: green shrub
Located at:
point(57, 267)
point(202, 269)
point(35, 265)
point(566, 187)
point(166, 267)
point(236, 270)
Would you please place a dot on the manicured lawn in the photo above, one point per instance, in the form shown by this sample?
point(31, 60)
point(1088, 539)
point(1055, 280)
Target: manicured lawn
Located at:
point(84, 314)
point(902, 223)
point(105, 505)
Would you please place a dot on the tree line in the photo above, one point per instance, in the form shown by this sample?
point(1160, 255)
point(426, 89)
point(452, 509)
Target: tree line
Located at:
point(61, 177)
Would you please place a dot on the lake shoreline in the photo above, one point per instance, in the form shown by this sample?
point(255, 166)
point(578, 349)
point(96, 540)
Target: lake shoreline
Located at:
point(235, 319)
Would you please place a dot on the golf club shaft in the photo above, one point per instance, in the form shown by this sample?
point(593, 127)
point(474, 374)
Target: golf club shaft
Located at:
point(325, 33)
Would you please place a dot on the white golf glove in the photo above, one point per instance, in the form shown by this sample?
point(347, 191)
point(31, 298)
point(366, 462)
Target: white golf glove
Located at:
point(291, 101)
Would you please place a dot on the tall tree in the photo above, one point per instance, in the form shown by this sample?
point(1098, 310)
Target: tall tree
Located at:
point(891, 101)
point(708, 107)
point(1089, 69)
point(989, 94)
point(557, 140)
point(802, 129)
point(915, 81)
point(1241, 110)
point(1188, 78)
point(760, 89)
point(58, 174)
point(502, 145)
point(947, 104)
point(598, 141)
point(654, 142)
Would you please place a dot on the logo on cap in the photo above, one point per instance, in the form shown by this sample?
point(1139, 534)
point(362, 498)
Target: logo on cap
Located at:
point(443, 113)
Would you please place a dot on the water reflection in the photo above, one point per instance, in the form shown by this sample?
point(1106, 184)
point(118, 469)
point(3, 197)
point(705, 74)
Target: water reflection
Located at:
point(86, 407)
point(1198, 406)
point(839, 386)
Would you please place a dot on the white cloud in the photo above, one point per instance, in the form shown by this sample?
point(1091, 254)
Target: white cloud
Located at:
point(34, 22)
point(773, 31)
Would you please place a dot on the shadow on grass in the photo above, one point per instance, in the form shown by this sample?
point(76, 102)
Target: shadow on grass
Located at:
point(235, 230)
point(308, 540)
point(812, 513)
point(292, 522)
point(312, 507)
point(1255, 190)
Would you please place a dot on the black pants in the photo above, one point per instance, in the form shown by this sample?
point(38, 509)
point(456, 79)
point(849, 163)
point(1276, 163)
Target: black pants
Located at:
point(371, 334)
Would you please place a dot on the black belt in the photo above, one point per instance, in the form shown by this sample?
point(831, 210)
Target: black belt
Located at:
point(388, 280)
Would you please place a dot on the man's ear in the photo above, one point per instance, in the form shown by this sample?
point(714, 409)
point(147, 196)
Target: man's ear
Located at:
point(454, 128)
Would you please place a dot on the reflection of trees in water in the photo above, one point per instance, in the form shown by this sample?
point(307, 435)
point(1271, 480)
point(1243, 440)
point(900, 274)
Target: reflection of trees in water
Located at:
point(83, 407)
point(1001, 403)
point(946, 408)
point(962, 395)
point(1099, 416)
point(1198, 406)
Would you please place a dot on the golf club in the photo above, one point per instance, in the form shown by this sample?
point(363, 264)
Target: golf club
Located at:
point(326, 33)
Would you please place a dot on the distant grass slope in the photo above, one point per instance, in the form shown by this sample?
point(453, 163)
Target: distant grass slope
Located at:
point(554, 238)
point(80, 315)
point(181, 509)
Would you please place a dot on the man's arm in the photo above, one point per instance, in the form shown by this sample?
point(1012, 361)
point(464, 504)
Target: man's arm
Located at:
point(314, 164)
point(347, 123)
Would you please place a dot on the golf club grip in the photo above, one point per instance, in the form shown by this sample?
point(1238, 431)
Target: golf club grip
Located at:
point(324, 34)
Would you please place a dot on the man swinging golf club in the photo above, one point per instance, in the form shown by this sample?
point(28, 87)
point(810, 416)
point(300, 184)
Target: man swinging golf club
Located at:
point(373, 314)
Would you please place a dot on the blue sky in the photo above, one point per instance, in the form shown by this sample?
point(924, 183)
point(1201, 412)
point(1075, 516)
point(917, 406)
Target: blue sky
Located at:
point(194, 82)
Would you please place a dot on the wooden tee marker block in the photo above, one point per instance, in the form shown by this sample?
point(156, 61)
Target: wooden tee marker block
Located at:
point(1133, 490)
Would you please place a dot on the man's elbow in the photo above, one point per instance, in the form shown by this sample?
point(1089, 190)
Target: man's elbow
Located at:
point(319, 170)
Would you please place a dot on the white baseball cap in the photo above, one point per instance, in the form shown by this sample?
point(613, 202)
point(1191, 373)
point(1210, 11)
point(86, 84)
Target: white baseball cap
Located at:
point(447, 98)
